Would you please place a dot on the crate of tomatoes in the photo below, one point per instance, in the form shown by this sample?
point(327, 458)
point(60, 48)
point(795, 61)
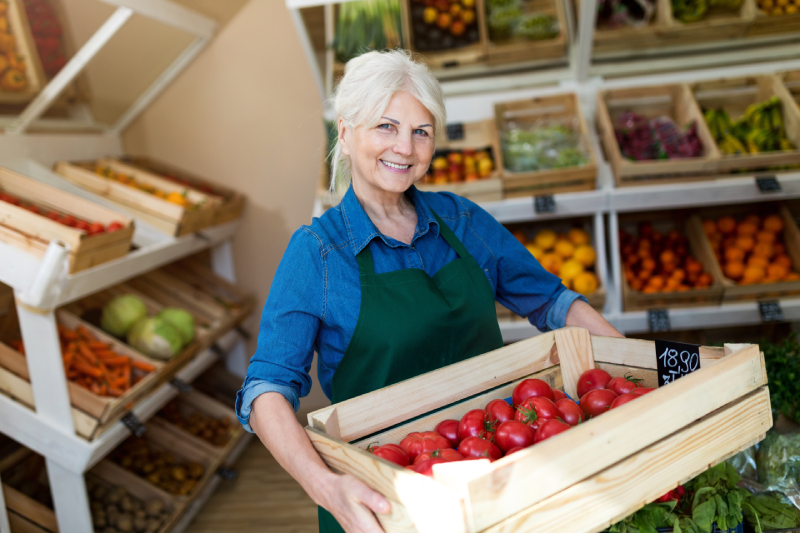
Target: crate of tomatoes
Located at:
point(500, 445)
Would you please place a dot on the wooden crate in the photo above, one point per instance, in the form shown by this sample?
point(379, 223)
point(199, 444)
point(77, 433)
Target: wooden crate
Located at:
point(91, 413)
point(444, 59)
point(766, 25)
point(674, 101)
point(557, 108)
point(197, 402)
point(33, 233)
point(477, 136)
point(520, 50)
point(580, 481)
point(231, 203)
point(633, 300)
point(168, 217)
point(791, 235)
point(791, 80)
point(734, 96)
point(19, 28)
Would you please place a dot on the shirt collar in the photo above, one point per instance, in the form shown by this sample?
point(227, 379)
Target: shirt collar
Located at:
point(361, 229)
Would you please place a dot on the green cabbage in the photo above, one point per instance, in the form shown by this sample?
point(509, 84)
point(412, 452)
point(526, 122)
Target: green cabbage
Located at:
point(155, 337)
point(182, 320)
point(121, 313)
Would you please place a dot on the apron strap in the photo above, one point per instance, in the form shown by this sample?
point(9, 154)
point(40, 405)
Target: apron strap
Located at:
point(366, 267)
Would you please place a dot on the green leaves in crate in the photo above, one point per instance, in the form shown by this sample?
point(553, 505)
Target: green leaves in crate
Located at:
point(366, 25)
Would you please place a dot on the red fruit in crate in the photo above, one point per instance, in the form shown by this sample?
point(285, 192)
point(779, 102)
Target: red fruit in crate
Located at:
point(392, 453)
point(500, 411)
point(597, 401)
point(592, 379)
point(513, 450)
point(476, 423)
point(455, 159)
point(558, 395)
point(528, 388)
point(33, 209)
point(458, 28)
point(96, 227)
point(534, 410)
point(8, 198)
point(641, 391)
point(421, 442)
point(52, 215)
point(114, 226)
point(442, 5)
point(570, 412)
point(550, 428)
point(68, 220)
point(82, 225)
point(478, 448)
point(444, 20)
point(513, 434)
point(448, 454)
point(426, 467)
point(623, 399)
point(623, 385)
point(449, 430)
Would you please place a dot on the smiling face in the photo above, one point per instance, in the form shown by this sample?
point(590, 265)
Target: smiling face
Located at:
point(394, 154)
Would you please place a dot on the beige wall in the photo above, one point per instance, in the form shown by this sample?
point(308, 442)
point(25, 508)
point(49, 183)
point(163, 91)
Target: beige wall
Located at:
point(247, 114)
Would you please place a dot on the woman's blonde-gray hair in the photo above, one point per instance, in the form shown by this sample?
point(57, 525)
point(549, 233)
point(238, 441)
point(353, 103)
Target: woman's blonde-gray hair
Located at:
point(370, 80)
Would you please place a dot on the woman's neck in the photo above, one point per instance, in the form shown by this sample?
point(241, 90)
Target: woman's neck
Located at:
point(392, 213)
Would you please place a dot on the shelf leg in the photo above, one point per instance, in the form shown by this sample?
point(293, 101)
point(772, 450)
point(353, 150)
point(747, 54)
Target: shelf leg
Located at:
point(70, 499)
point(600, 241)
point(222, 263)
point(586, 25)
point(616, 265)
point(5, 527)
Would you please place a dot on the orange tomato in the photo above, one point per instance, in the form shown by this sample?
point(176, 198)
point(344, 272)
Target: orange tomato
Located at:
point(765, 236)
point(656, 281)
point(757, 260)
point(734, 254)
point(747, 229)
point(710, 227)
point(679, 274)
point(726, 225)
point(745, 243)
point(705, 280)
point(734, 270)
point(763, 249)
point(779, 248)
point(648, 264)
point(784, 260)
point(753, 273)
point(773, 223)
point(776, 271)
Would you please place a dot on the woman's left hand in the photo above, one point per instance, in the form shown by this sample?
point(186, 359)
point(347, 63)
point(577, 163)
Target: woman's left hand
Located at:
point(583, 315)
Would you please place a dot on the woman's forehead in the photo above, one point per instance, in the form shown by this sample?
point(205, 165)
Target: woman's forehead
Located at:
point(405, 107)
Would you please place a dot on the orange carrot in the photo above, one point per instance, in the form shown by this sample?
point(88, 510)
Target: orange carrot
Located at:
point(67, 333)
point(114, 392)
point(68, 357)
point(142, 365)
point(117, 361)
point(98, 345)
point(84, 333)
point(86, 352)
point(88, 370)
point(106, 354)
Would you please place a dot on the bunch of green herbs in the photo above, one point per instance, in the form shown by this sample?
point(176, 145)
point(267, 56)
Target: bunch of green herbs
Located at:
point(366, 25)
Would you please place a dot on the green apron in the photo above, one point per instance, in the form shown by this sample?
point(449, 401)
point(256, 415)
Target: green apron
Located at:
point(410, 323)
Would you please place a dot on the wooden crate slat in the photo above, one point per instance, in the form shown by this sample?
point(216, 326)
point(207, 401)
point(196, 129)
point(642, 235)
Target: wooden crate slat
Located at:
point(28, 507)
point(575, 356)
point(642, 353)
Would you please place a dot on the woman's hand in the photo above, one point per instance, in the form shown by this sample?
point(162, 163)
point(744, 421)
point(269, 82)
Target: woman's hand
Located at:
point(583, 315)
point(353, 503)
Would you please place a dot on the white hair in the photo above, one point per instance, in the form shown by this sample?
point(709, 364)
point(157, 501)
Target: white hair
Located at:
point(369, 83)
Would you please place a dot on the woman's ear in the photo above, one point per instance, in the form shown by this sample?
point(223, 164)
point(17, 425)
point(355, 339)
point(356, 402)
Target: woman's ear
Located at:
point(342, 131)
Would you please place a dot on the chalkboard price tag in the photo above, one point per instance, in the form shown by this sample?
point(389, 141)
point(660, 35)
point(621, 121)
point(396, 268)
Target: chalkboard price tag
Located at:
point(675, 359)
point(768, 184)
point(658, 320)
point(455, 131)
point(770, 311)
point(228, 474)
point(182, 386)
point(544, 204)
point(133, 424)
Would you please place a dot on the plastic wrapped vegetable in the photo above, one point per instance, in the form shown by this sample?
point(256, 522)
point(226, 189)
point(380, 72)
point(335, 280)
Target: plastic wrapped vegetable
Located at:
point(541, 146)
point(536, 26)
point(181, 320)
point(121, 313)
point(155, 337)
point(770, 510)
point(659, 138)
point(778, 461)
point(744, 463)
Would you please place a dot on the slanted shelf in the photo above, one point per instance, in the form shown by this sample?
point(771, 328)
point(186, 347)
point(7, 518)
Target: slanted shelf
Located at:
point(676, 432)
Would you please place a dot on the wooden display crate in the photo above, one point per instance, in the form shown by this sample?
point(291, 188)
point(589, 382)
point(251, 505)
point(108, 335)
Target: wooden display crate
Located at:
point(674, 101)
point(557, 108)
point(767, 25)
point(734, 96)
point(791, 235)
point(791, 80)
point(32, 232)
point(633, 300)
point(231, 202)
point(477, 136)
point(569, 482)
point(168, 217)
point(521, 50)
point(19, 28)
point(91, 413)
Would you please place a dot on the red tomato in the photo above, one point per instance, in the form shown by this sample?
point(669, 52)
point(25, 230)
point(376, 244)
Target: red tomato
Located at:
point(513, 450)
point(513, 434)
point(500, 411)
point(535, 409)
point(623, 385)
point(449, 430)
point(96, 227)
point(52, 215)
point(114, 226)
point(421, 442)
point(623, 399)
point(448, 454)
point(426, 467)
point(558, 395)
point(33, 208)
point(68, 220)
point(597, 401)
point(82, 225)
point(476, 423)
point(550, 428)
point(392, 453)
point(531, 387)
point(570, 412)
point(478, 448)
point(592, 379)
point(641, 391)
point(11, 199)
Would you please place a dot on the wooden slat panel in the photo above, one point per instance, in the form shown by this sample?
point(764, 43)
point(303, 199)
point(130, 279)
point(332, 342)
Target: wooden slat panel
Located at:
point(575, 355)
point(641, 353)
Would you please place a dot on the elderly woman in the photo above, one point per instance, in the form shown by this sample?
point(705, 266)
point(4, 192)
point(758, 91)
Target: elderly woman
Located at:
point(390, 284)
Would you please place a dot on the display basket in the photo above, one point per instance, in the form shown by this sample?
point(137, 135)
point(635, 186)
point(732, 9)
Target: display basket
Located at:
point(168, 217)
point(476, 136)
point(765, 25)
point(791, 80)
point(734, 96)
point(674, 101)
point(582, 480)
point(19, 28)
point(692, 229)
point(518, 50)
point(558, 108)
point(32, 232)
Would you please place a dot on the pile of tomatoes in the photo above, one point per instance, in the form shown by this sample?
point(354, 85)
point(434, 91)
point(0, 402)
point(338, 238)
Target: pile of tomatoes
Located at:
point(537, 412)
point(91, 228)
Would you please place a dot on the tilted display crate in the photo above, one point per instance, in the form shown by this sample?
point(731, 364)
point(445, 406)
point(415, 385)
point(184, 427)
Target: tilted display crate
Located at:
point(33, 232)
point(516, 50)
point(580, 481)
point(19, 28)
point(477, 136)
point(791, 81)
point(556, 109)
point(169, 217)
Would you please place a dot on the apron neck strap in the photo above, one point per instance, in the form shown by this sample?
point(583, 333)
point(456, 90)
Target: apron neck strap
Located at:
point(366, 266)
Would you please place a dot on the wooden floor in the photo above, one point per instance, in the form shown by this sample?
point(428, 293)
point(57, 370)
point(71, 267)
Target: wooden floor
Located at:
point(263, 499)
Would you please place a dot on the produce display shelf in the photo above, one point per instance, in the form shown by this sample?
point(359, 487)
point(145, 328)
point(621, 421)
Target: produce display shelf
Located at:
point(567, 205)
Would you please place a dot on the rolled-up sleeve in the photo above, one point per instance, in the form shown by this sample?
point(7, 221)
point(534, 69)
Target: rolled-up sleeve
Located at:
point(289, 325)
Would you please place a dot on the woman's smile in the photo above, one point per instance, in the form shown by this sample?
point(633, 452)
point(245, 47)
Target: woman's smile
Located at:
point(395, 167)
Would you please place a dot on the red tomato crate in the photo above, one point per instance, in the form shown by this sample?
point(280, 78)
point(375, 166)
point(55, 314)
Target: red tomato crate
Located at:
point(580, 481)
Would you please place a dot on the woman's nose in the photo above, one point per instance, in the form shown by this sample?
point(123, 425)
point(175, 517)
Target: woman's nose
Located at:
point(403, 145)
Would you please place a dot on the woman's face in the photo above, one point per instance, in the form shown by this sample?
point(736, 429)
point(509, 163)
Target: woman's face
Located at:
point(395, 153)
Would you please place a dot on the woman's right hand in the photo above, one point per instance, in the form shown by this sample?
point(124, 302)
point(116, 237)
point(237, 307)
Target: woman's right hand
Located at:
point(353, 503)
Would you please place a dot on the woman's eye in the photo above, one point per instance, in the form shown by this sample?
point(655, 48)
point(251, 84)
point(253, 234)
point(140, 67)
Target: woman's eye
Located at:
point(384, 126)
point(420, 132)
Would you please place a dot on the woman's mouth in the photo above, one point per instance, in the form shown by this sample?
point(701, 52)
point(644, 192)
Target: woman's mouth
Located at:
point(395, 166)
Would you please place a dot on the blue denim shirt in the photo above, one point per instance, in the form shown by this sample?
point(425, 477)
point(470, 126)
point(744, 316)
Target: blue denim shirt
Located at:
point(315, 297)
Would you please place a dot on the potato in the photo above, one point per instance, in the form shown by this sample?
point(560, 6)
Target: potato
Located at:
point(140, 523)
point(154, 507)
point(125, 523)
point(153, 525)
